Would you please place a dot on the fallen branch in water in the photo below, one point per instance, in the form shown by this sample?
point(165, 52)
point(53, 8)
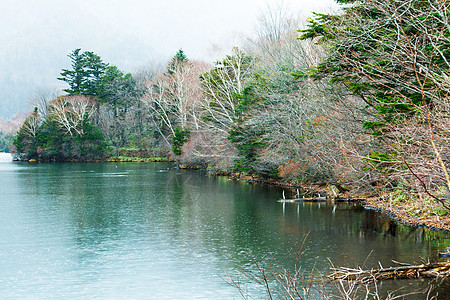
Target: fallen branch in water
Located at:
point(437, 270)
point(320, 199)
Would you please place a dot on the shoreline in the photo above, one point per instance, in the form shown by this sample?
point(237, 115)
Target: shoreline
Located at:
point(399, 214)
point(436, 222)
point(395, 213)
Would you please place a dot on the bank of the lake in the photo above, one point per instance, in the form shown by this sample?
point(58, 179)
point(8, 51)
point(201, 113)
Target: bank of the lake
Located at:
point(411, 216)
point(405, 212)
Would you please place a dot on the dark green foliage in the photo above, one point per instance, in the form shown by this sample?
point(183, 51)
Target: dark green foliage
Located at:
point(104, 90)
point(19, 143)
point(248, 143)
point(89, 146)
point(374, 127)
point(123, 100)
point(180, 56)
point(119, 90)
point(75, 78)
point(246, 100)
point(177, 62)
point(319, 26)
point(121, 93)
point(179, 137)
point(103, 84)
point(368, 53)
point(86, 75)
point(45, 145)
point(25, 140)
point(6, 141)
point(51, 143)
point(246, 137)
point(381, 162)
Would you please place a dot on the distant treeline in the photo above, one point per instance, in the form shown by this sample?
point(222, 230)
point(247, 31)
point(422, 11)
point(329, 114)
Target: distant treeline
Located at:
point(360, 102)
point(6, 142)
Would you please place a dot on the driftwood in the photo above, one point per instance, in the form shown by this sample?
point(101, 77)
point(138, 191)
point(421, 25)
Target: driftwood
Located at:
point(319, 199)
point(310, 199)
point(437, 270)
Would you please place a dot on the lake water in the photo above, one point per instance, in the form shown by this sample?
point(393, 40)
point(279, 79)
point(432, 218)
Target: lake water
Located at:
point(151, 231)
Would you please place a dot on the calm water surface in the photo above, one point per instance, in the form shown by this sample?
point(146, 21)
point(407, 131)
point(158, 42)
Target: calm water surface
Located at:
point(151, 231)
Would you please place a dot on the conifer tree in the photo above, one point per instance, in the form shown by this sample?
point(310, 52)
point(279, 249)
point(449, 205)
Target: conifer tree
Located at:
point(87, 71)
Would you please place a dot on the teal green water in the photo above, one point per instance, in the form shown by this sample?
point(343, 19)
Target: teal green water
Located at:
point(150, 231)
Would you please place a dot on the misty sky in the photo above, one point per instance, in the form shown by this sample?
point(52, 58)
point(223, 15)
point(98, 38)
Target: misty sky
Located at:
point(37, 35)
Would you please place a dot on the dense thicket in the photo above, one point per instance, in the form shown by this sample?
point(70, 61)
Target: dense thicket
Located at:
point(395, 56)
point(66, 134)
point(6, 142)
point(359, 103)
point(73, 127)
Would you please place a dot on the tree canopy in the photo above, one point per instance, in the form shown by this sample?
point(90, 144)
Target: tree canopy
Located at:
point(87, 71)
point(395, 55)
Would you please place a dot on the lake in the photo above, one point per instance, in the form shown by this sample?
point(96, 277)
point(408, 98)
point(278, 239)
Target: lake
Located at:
point(150, 230)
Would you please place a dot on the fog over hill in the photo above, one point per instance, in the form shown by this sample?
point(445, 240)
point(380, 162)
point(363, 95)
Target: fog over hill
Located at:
point(37, 35)
point(33, 53)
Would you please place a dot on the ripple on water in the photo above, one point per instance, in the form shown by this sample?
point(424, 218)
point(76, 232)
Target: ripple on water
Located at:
point(153, 232)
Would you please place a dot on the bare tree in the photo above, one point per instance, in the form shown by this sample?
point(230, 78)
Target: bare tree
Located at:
point(31, 124)
point(42, 99)
point(174, 98)
point(394, 55)
point(221, 85)
point(71, 112)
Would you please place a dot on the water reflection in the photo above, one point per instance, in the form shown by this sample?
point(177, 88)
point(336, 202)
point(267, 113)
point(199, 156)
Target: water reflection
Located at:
point(149, 230)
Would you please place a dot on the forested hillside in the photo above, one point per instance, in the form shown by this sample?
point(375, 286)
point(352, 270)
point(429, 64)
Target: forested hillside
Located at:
point(357, 102)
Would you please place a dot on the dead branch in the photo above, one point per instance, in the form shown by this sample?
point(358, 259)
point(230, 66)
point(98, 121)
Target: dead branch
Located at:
point(437, 270)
